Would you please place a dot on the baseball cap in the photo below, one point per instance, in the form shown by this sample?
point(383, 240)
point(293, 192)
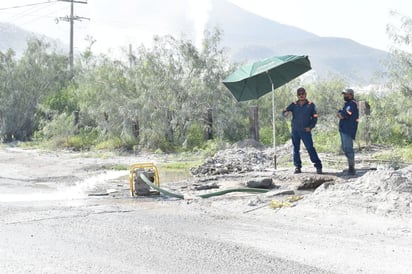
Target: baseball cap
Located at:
point(348, 91)
point(301, 89)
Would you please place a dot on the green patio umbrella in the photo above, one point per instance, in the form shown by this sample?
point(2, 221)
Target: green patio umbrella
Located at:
point(254, 80)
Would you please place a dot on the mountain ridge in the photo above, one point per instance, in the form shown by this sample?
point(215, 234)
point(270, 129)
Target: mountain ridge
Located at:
point(13, 37)
point(16, 38)
point(250, 37)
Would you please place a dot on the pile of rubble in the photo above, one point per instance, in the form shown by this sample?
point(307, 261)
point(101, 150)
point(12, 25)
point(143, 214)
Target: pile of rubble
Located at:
point(384, 192)
point(243, 157)
point(381, 190)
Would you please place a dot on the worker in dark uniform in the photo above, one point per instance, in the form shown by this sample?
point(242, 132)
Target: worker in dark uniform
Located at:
point(348, 126)
point(304, 119)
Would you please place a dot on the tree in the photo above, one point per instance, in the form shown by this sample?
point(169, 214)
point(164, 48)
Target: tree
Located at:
point(176, 83)
point(28, 80)
point(401, 80)
point(401, 54)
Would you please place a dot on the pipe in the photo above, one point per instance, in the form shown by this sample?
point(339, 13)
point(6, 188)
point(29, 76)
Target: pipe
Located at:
point(259, 190)
point(207, 195)
point(168, 193)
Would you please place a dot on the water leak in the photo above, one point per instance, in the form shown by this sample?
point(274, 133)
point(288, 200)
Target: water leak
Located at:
point(53, 191)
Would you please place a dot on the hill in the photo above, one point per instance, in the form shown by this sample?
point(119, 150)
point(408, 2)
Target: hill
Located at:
point(13, 37)
point(250, 37)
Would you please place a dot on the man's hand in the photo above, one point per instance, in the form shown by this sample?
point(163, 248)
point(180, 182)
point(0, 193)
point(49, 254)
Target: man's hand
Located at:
point(286, 113)
point(339, 115)
point(308, 129)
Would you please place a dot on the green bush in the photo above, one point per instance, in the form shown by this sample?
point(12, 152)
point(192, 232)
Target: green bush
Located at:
point(266, 136)
point(112, 143)
point(85, 140)
point(60, 126)
point(405, 153)
point(195, 137)
point(326, 141)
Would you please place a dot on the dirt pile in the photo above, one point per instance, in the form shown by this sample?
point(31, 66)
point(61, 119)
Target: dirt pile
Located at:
point(384, 192)
point(242, 157)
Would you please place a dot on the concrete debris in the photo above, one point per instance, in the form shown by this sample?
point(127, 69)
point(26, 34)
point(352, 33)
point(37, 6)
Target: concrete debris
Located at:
point(377, 189)
point(384, 192)
point(260, 183)
point(243, 157)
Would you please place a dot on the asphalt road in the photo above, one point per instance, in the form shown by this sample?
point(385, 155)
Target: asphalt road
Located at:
point(50, 224)
point(101, 235)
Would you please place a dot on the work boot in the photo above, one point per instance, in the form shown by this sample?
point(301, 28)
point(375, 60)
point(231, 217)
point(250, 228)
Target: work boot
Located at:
point(298, 170)
point(352, 170)
point(351, 164)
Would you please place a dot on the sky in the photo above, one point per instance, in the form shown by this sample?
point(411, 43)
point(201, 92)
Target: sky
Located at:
point(117, 23)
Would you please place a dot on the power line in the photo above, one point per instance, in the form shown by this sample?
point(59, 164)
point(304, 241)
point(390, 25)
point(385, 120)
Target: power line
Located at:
point(28, 5)
point(71, 20)
point(29, 13)
point(37, 17)
point(73, 1)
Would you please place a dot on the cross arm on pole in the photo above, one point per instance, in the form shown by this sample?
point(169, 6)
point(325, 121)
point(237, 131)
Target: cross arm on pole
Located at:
point(70, 1)
point(71, 19)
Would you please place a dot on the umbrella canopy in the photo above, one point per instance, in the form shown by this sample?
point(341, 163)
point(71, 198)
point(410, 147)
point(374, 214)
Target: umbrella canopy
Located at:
point(254, 80)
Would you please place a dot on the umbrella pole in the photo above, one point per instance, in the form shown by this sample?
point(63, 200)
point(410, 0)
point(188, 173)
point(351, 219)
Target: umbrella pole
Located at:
point(274, 124)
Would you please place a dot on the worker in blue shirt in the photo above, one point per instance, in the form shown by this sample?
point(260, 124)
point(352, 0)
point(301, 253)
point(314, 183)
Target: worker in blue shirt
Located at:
point(304, 119)
point(348, 125)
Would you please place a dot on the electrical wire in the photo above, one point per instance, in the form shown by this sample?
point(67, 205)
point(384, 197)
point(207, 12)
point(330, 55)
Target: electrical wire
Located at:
point(28, 13)
point(46, 15)
point(28, 16)
point(28, 5)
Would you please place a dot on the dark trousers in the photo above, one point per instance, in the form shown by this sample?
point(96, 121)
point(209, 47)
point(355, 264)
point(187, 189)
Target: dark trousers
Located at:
point(347, 147)
point(307, 140)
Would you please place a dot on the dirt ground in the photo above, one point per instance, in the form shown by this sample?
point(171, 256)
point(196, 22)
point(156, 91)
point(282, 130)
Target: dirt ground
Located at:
point(334, 222)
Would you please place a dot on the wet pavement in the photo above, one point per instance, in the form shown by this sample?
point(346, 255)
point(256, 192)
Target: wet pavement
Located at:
point(69, 213)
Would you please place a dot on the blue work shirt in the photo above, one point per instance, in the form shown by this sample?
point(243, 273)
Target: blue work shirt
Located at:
point(304, 116)
point(350, 113)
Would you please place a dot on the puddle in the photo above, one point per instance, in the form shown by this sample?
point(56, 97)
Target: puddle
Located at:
point(56, 191)
point(63, 189)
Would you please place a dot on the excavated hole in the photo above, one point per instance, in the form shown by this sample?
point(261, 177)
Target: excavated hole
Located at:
point(313, 183)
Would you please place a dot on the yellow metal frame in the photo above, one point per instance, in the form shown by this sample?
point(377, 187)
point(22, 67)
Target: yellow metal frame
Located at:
point(140, 166)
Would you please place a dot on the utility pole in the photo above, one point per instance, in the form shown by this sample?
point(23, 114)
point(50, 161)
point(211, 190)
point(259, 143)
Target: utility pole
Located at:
point(71, 19)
